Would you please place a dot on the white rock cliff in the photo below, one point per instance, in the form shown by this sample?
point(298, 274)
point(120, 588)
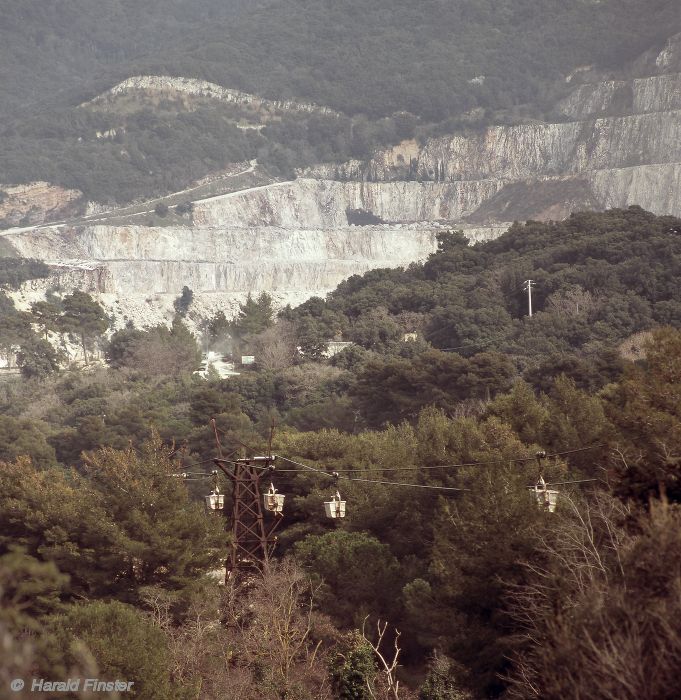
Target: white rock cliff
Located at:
point(617, 143)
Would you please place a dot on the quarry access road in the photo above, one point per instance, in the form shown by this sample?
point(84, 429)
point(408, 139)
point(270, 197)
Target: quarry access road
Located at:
point(237, 193)
point(130, 210)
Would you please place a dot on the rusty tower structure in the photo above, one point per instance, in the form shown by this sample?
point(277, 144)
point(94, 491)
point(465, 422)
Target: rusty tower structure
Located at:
point(252, 539)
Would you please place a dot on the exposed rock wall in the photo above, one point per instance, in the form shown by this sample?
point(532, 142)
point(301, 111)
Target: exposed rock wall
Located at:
point(167, 86)
point(131, 266)
point(653, 187)
point(535, 150)
point(35, 202)
point(230, 245)
point(654, 94)
point(619, 144)
point(309, 203)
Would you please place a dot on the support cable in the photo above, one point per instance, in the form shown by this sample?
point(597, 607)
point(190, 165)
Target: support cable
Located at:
point(336, 475)
point(340, 474)
point(439, 466)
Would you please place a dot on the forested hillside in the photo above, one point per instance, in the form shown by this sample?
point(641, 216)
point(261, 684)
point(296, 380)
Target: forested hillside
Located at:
point(435, 443)
point(391, 66)
point(375, 58)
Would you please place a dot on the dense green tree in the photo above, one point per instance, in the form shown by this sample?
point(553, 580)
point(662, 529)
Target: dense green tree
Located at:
point(478, 542)
point(15, 271)
point(158, 351)
point(123, 643)
point(375, 330)
point(576, 419)
point(255, 315)
point(14, 327)
point(37, 358)
point(124, 524)
point(46, 314)
point(208, 401)
point(84, 318)
point(22, 437)
point(523, 411)
point(590, 372)
point(431, 378)
point(646, 411)
point(55, 518)
point(353, 669)
point(358, 571)
point(29, 590)
point(170, 538)
point(313, 338)
point(121, 346)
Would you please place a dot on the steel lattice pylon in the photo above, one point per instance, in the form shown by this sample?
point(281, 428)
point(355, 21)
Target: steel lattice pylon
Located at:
point(252, 542)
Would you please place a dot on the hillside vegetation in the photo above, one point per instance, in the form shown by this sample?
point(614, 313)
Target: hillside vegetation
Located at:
point(493, 596)
point(388, 65)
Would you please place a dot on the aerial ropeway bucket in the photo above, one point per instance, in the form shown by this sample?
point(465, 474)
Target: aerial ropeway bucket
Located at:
point(546, 498)
point(335, 508)
point(215, 500)
point(273, 501)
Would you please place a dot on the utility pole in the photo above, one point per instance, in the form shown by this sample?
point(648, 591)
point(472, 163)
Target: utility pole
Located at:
point(252, 542)
point(528, 286)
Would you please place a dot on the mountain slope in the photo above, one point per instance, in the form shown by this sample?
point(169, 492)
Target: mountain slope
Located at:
point(462, 62)
point(375, 57)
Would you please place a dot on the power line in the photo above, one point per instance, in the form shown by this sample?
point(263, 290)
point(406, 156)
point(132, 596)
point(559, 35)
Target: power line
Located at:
point(400, 483)
point(437, 466)
point(577, 449)
point(336, 475)
point(300, 464)
point(576, 481)
point(210, 460)
point(341, 473)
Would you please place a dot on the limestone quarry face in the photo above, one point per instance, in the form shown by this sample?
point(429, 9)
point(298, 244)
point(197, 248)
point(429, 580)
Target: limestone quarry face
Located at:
point(310, 203)
point(139, 271)
point(144, 260)
point(617, 143)
point(659, 93)
point(291, 240)
point(622, 160)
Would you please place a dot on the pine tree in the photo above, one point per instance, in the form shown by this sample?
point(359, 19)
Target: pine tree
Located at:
point(255, 315)
point(83, 317)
